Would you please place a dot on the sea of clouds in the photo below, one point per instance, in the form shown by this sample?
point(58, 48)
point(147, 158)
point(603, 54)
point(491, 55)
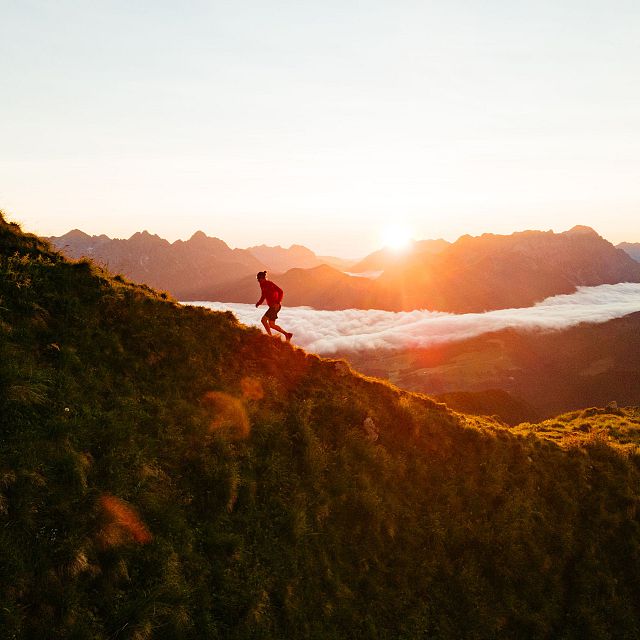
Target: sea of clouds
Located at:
point(328, 332)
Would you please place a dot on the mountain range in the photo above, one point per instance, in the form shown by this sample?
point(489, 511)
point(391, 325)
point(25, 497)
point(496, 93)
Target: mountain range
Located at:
point(473, 274)
point(477, 274)
point(183, 268)
point(187, 269)
point(166, 472)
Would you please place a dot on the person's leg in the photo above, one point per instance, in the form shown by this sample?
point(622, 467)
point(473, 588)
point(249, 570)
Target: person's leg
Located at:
point(266, 322)
point(286, 334)
point(270, 316)
point(277, 328)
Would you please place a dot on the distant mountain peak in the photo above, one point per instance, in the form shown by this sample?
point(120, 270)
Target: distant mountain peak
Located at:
point(201, 239)
point(280, 249)
point(146, 239)
point(144, 235)
point(581, 229)
point(266, 246)
point(278, 259)
point(76, 234)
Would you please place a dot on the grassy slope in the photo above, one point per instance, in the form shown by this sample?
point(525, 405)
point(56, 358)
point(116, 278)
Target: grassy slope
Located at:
point(168, 473)
point(617, 426)
point(552, 371)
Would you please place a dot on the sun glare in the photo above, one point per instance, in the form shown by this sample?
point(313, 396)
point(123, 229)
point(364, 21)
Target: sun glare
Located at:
point(396, 237)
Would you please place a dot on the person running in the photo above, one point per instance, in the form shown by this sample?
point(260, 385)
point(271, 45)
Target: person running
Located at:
point(272, 293)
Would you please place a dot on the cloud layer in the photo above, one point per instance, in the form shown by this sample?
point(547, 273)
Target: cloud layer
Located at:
point(327, 332)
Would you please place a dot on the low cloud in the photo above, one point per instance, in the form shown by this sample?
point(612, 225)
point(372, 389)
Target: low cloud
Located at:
point(328, 332)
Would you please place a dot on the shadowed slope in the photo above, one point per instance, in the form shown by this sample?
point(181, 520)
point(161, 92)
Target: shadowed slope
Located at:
point(322, 287)
point(552, 371)
point(632, 248)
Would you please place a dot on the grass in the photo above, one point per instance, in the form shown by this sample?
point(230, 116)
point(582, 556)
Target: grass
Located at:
point(168, 473)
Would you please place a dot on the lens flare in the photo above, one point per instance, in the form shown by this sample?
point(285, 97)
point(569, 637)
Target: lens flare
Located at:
point(229, 415)
point(251, 388)
point(123, 525)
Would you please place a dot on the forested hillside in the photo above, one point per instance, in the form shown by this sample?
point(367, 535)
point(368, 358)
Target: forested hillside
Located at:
point(168, 473)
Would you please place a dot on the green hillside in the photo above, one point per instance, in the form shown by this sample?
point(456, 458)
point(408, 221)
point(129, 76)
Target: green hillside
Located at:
point(617, 427)
point(168, 473)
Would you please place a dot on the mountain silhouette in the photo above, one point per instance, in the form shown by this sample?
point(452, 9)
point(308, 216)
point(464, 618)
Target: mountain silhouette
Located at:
point(474, 274)
point(189, 269)
point(184, 268)
point(477, 274)
point(167, 472)
point(322, 287)
point(279, 259)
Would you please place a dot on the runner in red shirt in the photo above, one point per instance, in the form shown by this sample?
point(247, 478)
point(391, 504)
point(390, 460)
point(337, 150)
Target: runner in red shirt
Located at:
point(272, 293)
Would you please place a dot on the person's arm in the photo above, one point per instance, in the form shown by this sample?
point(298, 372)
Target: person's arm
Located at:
point(263, 292)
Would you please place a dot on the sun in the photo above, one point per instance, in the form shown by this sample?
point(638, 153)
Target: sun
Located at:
point(396, 237)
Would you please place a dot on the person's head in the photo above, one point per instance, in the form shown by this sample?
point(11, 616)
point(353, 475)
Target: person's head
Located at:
point(262, 275)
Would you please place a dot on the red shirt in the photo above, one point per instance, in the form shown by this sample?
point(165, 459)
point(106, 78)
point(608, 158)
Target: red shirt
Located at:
point(271, 292)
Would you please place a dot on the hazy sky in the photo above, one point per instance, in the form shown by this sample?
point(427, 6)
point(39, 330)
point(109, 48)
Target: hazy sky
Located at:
point(320, 122)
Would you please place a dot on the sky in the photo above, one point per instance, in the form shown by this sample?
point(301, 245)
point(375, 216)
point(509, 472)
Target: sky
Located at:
point(320, 123)
point(329, 332)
